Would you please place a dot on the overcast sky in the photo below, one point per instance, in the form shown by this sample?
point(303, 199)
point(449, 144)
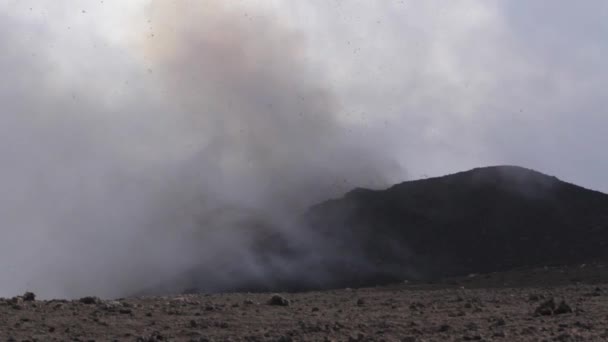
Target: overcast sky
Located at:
point(471, 83)
point(118, 118)
point(459, 83)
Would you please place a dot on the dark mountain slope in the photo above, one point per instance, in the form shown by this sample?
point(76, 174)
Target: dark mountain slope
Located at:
point(483, 220)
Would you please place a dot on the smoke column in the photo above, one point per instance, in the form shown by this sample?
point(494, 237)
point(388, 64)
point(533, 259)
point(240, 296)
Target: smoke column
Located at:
point(124, 165)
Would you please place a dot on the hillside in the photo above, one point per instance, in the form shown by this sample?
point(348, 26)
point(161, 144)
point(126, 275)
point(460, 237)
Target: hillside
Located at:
point(482, 220)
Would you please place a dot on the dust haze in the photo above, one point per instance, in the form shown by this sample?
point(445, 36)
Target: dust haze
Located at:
point(124, 168)
point(141, 139)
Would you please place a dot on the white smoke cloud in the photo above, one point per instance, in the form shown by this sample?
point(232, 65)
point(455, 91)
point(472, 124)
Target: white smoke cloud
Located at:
point(129, 163)
point(135, 136)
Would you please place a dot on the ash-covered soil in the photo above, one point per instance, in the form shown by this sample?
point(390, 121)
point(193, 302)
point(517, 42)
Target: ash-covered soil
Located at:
point(543, 304)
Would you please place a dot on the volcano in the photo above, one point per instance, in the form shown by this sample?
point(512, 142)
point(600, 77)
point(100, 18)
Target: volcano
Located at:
point(483, 220)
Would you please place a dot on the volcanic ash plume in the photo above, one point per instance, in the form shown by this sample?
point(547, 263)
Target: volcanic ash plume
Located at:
point(127, 164)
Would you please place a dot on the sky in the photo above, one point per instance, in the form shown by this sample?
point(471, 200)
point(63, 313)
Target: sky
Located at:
point(122, 119)
point(459, 84)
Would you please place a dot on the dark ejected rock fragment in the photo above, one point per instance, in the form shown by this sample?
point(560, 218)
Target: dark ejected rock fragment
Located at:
point(29, 297)
point(278, 300)
point(89, 300)
point(549, 308)
point(545, 308)
point(563, 308)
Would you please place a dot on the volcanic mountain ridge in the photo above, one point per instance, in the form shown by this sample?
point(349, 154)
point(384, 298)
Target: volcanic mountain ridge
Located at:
point(483, 220)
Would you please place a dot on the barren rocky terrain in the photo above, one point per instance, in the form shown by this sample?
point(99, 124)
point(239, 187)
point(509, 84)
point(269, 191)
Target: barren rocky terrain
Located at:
point(543, 304)
point(492, 254)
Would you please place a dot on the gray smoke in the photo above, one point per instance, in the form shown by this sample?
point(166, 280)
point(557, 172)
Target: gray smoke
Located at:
point(142, 138)
point(122, 168)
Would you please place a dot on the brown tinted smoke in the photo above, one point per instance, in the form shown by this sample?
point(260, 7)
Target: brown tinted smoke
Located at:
point(123, 169)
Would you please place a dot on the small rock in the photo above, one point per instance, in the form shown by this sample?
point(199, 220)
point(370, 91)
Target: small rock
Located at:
point(278, 300)
point(359, 337)
point(360, 302)
point(546, 308)
point(444, 328)
point(499, 322)
point(417, 306)
point(111, 305)
point(597, 292)
point(563, 308)
point(29, 296)
point(89, 300)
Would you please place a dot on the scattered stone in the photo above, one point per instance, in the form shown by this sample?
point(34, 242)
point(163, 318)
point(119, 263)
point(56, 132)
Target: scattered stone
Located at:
point(562, 308)
point(597, 292)
point(499, 322)
point(546, 308)
point(534, 297)
point(278, 300)
point(549, 308)
point(89, 300)
point(29, 296)
point(358, 337)
point(417, 306)
point(16, 300)
point(154, 337)
point(111, 305)
point(360, 302)
point(444, 328)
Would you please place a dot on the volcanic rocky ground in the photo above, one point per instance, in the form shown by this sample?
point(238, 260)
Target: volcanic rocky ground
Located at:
point(499, 253)
point(545, 304)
